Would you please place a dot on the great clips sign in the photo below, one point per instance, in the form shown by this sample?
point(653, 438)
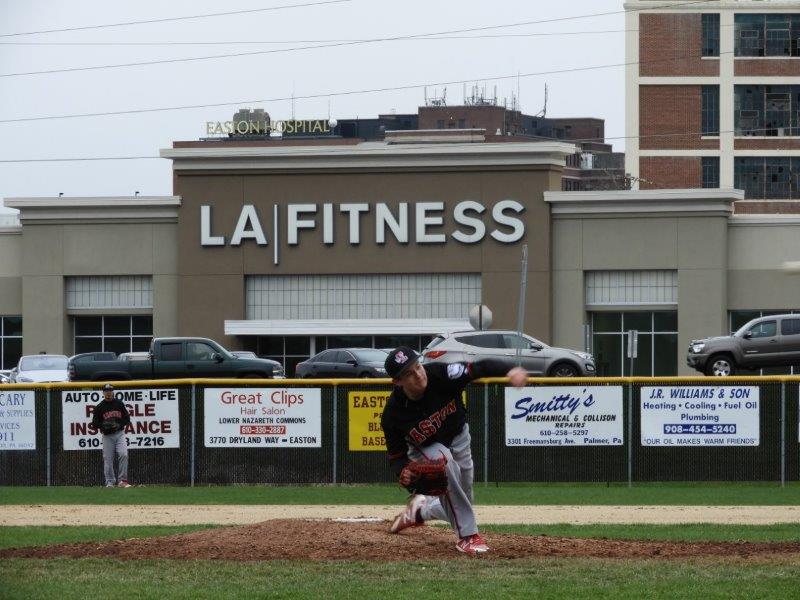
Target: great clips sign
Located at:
point(418, 223)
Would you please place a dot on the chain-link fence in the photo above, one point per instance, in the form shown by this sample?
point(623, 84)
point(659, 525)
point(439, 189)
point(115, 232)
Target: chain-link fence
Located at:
point(189, 432)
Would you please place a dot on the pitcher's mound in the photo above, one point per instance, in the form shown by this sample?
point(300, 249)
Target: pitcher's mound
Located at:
point(289, 539)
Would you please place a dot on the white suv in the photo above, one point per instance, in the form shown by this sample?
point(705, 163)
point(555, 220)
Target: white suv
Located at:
point(536, 357)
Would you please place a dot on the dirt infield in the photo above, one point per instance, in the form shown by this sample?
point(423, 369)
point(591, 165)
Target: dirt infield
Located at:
point(288, 539)
point(57, 514)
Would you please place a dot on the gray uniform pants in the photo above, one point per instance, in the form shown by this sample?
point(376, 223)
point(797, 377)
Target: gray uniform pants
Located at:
point(115, 453)
point(455, 506)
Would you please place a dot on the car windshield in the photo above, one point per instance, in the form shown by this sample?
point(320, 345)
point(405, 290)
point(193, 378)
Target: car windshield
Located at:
point(371, 355)
point(43, 363)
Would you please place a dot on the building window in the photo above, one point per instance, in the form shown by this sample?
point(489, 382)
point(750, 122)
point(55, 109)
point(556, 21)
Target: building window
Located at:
point(135, 291)
point(462, 123)
point(711, 171)
point(657, 343)
point(710, 110)
point(766, 35)
point(10, 341)
point(710, 34)
point(408, 296)
point(112, 333)
point(619, 288)
point(440, 124)
point(291, 350)
point(767, 178)
point(767, 110)
point(739, 318)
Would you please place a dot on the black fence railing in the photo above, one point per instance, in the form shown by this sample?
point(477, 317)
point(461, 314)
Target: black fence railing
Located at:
point(188, 432)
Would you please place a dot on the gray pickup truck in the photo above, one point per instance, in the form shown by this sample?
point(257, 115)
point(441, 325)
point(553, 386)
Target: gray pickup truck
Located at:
point(170, 358)
point(772, 341)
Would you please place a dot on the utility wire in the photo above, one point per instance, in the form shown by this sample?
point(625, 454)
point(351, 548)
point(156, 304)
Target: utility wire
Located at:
point(356, 149)
point(352, 92)
point(329, 41)
point(171, 19)
point(332, 45)
point(239, 12)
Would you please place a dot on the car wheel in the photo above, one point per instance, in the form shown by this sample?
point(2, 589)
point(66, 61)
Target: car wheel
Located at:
point(720, 366)
point(564, 370)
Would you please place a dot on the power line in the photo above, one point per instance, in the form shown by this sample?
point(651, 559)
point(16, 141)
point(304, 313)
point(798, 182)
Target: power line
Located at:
point(313, 149)
point(337, 44)
point(170, 19)
point(349, 92)
point(328, 41)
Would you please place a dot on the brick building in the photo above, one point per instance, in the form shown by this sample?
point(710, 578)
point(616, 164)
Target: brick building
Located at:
point(594, 166)
point(713, 99)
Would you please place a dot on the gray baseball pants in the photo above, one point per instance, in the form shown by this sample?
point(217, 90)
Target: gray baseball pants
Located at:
point(455, 506)
point(115, 454)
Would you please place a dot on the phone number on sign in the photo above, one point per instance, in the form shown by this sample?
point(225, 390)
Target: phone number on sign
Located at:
point(700, 428)
point(262, 429)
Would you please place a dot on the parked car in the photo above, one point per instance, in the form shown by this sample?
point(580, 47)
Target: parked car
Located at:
point(277, 368)
point(40, 368)
point(5, 376)
point(772, 341)
point(535, 356)
point(344, 362)
point(173, 358)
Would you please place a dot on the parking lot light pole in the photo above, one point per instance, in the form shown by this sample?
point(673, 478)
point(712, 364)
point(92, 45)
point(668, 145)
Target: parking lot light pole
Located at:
point(523, 283)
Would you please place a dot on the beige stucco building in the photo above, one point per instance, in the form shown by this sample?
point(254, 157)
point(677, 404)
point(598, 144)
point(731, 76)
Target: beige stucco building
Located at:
point(287, 250)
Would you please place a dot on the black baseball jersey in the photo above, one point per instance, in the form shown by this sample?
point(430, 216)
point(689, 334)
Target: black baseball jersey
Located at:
point(439, 415)
point(107, 411)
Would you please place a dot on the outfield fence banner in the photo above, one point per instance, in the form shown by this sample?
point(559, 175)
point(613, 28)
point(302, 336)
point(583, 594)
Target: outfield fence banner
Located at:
point(203, 431)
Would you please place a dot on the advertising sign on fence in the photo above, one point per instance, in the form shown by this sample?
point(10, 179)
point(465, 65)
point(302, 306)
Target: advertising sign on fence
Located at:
point(364, 410)
point(700, 415)
point(154, 418)
point(564, 416)
point(17, 420)
point(263, 417)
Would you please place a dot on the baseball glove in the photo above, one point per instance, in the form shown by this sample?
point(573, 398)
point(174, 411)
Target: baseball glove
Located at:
point(427, 477)
point(110, 426)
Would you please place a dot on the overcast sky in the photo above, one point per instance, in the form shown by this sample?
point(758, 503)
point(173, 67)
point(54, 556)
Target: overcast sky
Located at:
point(241, 80)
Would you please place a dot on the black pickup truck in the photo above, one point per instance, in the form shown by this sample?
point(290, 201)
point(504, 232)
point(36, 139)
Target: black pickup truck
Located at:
point(170, 358)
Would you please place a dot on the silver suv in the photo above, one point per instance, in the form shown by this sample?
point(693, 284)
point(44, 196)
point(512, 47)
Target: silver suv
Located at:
point(772, 341)
point(536, 357)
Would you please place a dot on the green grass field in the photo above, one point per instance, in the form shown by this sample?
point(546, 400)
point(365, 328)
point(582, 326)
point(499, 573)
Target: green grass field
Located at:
point(459, 578)
point(730, 494)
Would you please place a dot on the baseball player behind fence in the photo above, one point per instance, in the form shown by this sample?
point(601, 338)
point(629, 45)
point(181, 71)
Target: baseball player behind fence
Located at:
point(110, 418)
point(427, 438)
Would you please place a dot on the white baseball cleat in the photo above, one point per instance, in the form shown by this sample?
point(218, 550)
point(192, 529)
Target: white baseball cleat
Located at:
point(408, 518)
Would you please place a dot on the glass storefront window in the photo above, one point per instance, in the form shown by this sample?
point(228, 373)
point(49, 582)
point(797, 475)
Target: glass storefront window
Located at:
point(10, 341)
point(291, 350)
point(657, 342)
point(112, 333)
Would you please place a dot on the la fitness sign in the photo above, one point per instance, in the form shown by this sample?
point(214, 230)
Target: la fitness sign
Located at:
point(428, 217)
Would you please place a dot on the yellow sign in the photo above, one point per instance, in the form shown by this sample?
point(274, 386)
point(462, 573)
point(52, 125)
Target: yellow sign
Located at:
point(364, 410)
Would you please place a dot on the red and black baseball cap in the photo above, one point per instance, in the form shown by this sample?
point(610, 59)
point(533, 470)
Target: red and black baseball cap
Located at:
point(400, 360)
